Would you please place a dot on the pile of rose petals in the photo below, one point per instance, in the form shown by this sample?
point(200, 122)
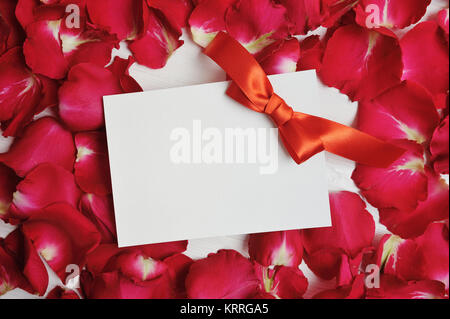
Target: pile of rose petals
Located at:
point(56, 56)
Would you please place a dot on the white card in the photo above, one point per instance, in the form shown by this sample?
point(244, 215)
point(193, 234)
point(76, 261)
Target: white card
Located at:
point(190, 163)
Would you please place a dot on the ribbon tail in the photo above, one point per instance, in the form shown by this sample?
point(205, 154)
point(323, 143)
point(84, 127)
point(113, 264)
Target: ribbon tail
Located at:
point(305, 135)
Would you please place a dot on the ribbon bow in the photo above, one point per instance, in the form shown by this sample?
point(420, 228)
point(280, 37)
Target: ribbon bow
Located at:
point(302, 134)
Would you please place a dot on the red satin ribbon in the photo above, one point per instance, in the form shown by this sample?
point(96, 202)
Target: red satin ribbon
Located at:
point(303, 135)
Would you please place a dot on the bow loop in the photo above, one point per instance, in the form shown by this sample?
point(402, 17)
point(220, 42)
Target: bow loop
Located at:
point(278, 110)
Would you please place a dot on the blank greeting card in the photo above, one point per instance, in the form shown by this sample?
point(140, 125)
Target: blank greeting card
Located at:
point(191, 163)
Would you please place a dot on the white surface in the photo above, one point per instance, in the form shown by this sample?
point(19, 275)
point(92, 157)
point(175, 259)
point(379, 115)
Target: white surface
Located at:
point(189, 66)
point(157, 200)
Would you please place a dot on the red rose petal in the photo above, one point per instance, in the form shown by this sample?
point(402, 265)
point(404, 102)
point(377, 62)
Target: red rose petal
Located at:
point(154, 47)
point(435, 207)
point(443, 20)
point(51, 244)
point(44, 185)
point(356, 290)
point(353, 227)
point(311, 54)
point(207, 19)
point(62, 293)
point(86, 45)
point(430, 257)
point(123, 18)
point(52, 39)
point(4, 33)
point(421, 258)
point(401, 185)
point(101, 256)
point(257, 23)
point(20, 94)
point(324, 263)
point(349, 269)
point(393, 288)
point(97, 260)
point(283, 282)
point(8, 182)
point(158, 288)
point(439, 148)
point(289, 283)
point(280, 57)
point(176, 12)
point(95, 286)
point(100, 211)
point(127, 273)
point(353, 230)
point(22, 250)
point(135, 266)
point(25, 11)
point(277, 248)
point(44, 140)
point(80, 96)
point(178, 267)
point(224, 275)
point(92, 172)
point(15, 33)
point(164, 250)
point(361, 63)
point(120, 68)
point(428, 67)
point(405, 111)
point(62, 236)
point(391, 14)
point(113, 285)
point(29, 11)
point(49, 93)
point(43, 45)
point(333, 10)
point(305, 15)
point(11, 276)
